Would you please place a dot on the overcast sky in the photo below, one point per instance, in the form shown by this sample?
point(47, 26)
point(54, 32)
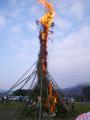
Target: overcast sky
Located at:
point(68, 48)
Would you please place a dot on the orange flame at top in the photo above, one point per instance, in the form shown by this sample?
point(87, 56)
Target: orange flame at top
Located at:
point(47, 19)
point(47, 4)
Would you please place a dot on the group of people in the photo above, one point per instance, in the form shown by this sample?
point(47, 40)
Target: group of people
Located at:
point(4, 99)
point(70, 102)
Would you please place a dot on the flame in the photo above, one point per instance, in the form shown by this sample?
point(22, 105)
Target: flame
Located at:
point(47, 5)
point(50, 89)
point(47, 19)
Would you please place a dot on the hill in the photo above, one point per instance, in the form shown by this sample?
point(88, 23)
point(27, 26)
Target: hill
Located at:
point(75, 91)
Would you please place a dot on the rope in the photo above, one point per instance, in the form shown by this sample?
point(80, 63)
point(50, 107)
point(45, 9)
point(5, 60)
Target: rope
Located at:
point(56, 85)
point(31, 85)
point(28, 79)
point(16, 84)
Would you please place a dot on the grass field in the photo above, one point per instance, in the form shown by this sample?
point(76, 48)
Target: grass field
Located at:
point(14, 111)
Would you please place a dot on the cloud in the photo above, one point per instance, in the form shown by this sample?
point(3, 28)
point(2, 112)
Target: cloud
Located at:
point(70, 58)
point(16, 29)
point(77, 9)
point(12, 2)
point(31, 26)
point(23, 43)
point(23, 48)
point(76, 43)
point(22, 56)
point(62, 23)
point(73, 9)
point(15, 14)
point(2, 22)
point(16, 3)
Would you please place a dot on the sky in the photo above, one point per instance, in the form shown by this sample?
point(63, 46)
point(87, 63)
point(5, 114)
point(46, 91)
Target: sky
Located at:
point(68, 47)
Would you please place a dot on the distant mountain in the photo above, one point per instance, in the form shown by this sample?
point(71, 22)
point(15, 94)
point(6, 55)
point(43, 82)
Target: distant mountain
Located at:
point(73, 91)
point(2, 91)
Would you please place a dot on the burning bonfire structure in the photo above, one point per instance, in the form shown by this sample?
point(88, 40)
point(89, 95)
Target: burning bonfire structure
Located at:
point(44, 92)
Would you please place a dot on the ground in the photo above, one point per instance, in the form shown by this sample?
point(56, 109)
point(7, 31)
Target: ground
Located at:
point(15, 111)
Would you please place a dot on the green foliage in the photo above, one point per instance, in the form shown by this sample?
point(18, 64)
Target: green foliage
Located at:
point(78, 98)
point(21, 92)
point(82, 107)
point(61, 111)
point(29, 112)
point(86, 92)
point(19, 111)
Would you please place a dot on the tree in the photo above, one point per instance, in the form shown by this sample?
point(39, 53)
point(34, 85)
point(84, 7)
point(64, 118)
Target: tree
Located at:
point(21, 92)
point(86, 92)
